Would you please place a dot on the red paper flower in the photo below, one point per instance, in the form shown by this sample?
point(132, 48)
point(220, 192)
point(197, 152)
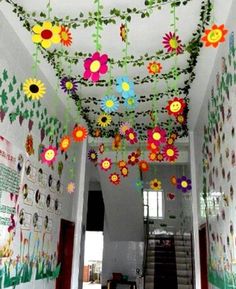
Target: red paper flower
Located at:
point(79, 133)
point(170, 153)
point(124, 171)
point(65, 143)
point(106, 164)
point(214, 36)
point(114, 178)
point(131, 136)
point(154, 67)
point(144, 166)
point(66, 38)
point(156, 136)
point(133, 159)
point(95, 65)
point(175, 106)
point(48, 156)
point(172, 43)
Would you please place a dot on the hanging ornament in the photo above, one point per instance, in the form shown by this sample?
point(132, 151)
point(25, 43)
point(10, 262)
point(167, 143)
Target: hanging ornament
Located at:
point(95, 65)
point(170, 141)
point(181, 119)
point(133, 159)
point(123, 32)
point(173, 180)
point(152, 156)
point(214, 36)
point(170, 153)
point(106, 164)
point(131, 136)
point(176, 106)
point(124, 127)
point(46, 34)
point(104, 120)
point(79, 133)
point(171, 196)
point(34, 89)
point(172, 43)
point(125, 86)
point(184, 184)
point(156, 136)
point(155, 184)
point(114, 178)
point(124, 172)
point(71, 187)
point(154, 67)
point(143, 166)
point(66, 38)
point(48, 155)
point(121, 164)
point(65, 143)
point(109, 104)
point(101, 148)
point(29, 145)
point(69, 85)
point(92, 155)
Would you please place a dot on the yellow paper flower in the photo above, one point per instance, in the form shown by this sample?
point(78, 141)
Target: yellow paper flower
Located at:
point(46, 34)
point(155, 185)
point(104, 120)
point(34, 88)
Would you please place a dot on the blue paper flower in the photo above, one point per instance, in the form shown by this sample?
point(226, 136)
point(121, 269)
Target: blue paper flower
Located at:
point(109, 103)
point(125, 86)
point(131, 102)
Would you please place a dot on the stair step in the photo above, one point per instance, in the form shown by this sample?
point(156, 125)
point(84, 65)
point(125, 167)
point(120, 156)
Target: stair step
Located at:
point(182, 287)
point(184, 266)
point(184, 280)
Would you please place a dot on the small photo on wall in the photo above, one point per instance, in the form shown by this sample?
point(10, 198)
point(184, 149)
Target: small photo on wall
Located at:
point(30, 172)
point(28, 195)
point(58, 207)
point(53, 187)
point(42, 178)
point(40, 199)
point(20, 163)
point(37, 222)
point(47, 224)
point(25, 220)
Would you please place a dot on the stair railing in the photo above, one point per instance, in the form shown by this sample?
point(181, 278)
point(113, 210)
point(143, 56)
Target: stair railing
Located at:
point(146, 240)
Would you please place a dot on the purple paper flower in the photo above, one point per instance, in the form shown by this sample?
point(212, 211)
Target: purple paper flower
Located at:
point(184, 184)
point(92, 155)
point(69, 84)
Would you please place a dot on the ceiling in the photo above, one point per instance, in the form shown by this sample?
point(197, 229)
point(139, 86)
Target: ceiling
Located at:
point(145, 45)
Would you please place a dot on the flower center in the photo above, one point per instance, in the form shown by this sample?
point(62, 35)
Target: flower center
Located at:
point(109, 103)
point(79, 133)
point(133, 159)
point(125, 86)
point(104, 119)
point(130, 101)
point(93, 156)
point(184, 184)
point(170, 152)
point(156, 136)
point(46, 34)
point(154, 68)
point(131, 136)
point(64, 36)
point(65, 143)
point(95, 66)
point(69, 85)
point(173, 43)
point(34, 88)
point(114, 178)
point(49, 155)
point(215, 35)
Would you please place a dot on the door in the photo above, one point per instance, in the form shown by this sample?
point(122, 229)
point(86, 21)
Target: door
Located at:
point(203, 257)
point(65, 254)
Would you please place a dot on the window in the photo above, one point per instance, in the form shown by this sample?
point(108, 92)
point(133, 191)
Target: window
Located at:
point(154, 199)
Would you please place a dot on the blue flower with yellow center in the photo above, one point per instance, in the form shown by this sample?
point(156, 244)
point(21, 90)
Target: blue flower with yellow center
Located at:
point(131, 102)
point(125, 86)
point(109, 103)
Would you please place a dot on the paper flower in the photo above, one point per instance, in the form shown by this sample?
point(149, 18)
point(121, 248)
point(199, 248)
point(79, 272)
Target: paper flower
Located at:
point(104, 120)
point(170, 141)
point(69, 85)
point(116, 144)
point(173, 135)
point(156, 135)
point(125, 86)
point(172, 43)
point(71, 187)
point(48, 156)
point(34, 89)
point(181, 119)
point(95, 65)
point(92, 155)
point(97, 133)
point(46, 34)
point(214, 35)
point(133, 159)
point(123, 127)
point(152, 147)
point(170, 153)
point(124, 172)
point(121, 164)
point(144, 166)
point(154, 67)
point(160, 157)
point(175, 106)
point(65, 35)
point(155, 185)
point(152, 156)
point(79, 133)
point(131, 136)
point(114, 178)
point(109, 103)
point(123, 32)
point(29, 145)
point(101, 148)
point(184, 184)
point(106, 164)
point(65, 143)
point(131, 102)
point(173, 180)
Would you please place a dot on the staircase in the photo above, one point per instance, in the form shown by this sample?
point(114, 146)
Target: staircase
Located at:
point(169, 262)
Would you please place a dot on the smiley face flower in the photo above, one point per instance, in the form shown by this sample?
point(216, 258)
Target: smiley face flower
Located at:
point(106, 164)
point(154, 67)
point(114, 179)
point(214, 36)
point(48, 156)
point(175, 106)
point(131, 136)
point(95, 65)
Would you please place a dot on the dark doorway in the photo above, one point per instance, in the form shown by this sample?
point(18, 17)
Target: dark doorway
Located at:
point(95, 213)
point(65, 254)
point(203, 256)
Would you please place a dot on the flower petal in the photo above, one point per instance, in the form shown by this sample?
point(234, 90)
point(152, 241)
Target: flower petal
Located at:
point(46, 43)
point(47, 25)
point(87, 74)
point(36, 38)
point(37, 29)
point(95, 76)
point(103, 69)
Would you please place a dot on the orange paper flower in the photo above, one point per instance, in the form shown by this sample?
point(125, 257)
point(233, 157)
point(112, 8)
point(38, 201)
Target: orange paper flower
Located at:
point(144, 166)
point(65, 143)
point(154, 67)
point(121, 164)
point(214, 36)
point(152, 156)
point(79, 133)
point(66, 38)
point(124, 171)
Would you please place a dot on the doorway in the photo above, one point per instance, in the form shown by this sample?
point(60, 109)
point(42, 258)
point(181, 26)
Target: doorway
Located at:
point(65, 254)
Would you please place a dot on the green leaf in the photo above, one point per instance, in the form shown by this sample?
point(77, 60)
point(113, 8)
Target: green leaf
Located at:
point(4, 97)
point(14, 80)
point(13, 100)
point(5, 75)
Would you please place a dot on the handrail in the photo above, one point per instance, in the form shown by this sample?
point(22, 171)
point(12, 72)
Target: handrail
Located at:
point(146, 242)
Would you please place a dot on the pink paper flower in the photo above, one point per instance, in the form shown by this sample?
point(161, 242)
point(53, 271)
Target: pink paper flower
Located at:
point(95, 65)
point(49, 154)
point(172, 43)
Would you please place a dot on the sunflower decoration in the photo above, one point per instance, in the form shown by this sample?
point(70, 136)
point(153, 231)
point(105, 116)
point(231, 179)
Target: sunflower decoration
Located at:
point(79, 133)
point(69, 85)
point(65, 143)
point(123, 32)
point(173, 180)
point(109, 104)
point(101, 148)
point(184, 184)
point(170, 153)
point(154, 67)
point(104, 119)
point(95, 66)
point(160, 157)
point(49, 154)
point(34, 88)
point(152, 156)
point(66, 38)
point(143, 166)
point(70, 187)
point(46, 34)
point(125, 86)
point(131, 136)
point(131, 102)
point(114, 178)
point(176, 106)
point(92, 156)
point(214, 36)
point(155, 184)
point(156, 135)
point(106, 164)
point(172, 43)
point(121, 164)
point(123, 127)
point(133, 159)
point(124, 172)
